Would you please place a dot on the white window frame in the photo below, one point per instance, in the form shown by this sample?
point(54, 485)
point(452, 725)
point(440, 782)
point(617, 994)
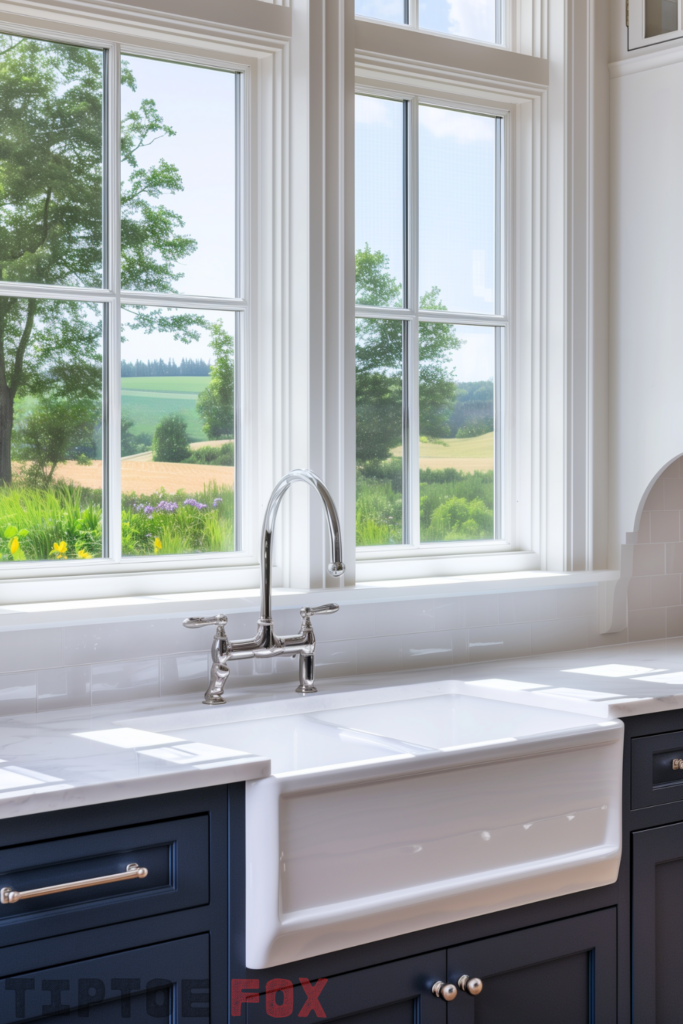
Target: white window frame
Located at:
point(255, 55)
point(519, 400)
point(412, 315)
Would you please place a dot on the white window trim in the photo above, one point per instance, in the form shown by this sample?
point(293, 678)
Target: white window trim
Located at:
point(522, 107)
point(257, 48)
point(299, 384)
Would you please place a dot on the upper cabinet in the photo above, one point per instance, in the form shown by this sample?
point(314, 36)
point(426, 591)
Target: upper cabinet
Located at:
point(653, 21)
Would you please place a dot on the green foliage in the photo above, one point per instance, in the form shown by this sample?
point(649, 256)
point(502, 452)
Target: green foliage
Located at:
point(171, 443)
point(133, 444)
point(51, 157)
point(453, 505)
point(41, 519)
point(216, 404)
point(52, 433)
point(223, 455)
point(476, 428)
point(169, 524)
point(146, 410)
point(379, 363)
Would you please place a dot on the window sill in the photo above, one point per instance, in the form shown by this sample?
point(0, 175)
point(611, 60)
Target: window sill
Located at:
point(32, 614)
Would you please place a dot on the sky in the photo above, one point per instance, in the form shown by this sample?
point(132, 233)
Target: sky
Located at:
point(456, 209)
point(473, 19)
point(199, 103)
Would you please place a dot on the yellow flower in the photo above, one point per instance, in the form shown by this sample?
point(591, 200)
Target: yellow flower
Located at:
point(14, 545)
point(157, 545)
point(59, 550)
point(83, 554)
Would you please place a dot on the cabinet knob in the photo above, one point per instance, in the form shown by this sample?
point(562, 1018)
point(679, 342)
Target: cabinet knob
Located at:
point(471, 985)
point(444, 990)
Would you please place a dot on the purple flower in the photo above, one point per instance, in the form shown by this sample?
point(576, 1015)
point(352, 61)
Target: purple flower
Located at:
point(217, 502)
point(193, 503)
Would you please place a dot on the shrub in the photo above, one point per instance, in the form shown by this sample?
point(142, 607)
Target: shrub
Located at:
point(219, 455)
point(171, 443)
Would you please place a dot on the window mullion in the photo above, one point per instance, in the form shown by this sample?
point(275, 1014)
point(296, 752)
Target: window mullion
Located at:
point(412, 379)
point(112, 354)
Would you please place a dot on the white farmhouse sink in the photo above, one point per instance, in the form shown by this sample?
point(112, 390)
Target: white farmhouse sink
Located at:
point(402, 808)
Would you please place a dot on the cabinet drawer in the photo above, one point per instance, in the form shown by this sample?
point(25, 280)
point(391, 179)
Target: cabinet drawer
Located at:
point(656, 769)
point(168, 980)
point(175, 854)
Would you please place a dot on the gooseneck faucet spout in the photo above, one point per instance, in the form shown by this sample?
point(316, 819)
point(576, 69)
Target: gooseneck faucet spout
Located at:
point(266, 644)
point(336, 566)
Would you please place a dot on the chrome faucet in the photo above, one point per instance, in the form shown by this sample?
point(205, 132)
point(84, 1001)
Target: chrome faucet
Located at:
point(266, 644)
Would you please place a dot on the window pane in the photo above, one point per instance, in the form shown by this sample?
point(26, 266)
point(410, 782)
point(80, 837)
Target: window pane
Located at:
point(50, 430)
point(660, 16)
point(178, 178)
point(473, 19)
point(379, 462)
point(177, 431)
point(50, 162)
point(379, 201)
point(457, 210)
point(457, 372)
point(383, 10)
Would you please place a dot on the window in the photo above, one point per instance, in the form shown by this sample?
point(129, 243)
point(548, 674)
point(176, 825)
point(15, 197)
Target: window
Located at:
point(480, 20)
point(120, 304)
point(430, 322)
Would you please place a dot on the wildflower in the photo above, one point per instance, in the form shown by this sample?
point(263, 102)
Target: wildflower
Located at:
point(83, 554)
point(217, 502)
point(59, 550)
point(14, 545)
point(193, 503)
point(157, 545)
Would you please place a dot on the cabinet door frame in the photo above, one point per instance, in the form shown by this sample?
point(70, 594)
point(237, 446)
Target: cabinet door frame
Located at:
point(594, 933)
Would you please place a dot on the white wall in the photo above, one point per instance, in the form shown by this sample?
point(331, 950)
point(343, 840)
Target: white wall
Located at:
point(646, 355)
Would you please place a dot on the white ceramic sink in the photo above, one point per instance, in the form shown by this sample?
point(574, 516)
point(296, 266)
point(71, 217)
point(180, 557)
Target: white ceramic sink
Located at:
point(405, 807)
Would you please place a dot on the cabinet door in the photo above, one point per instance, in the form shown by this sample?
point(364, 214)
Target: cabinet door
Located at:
point(394, 993)
point(165, 981)
point(558, 973)
point(657, 910)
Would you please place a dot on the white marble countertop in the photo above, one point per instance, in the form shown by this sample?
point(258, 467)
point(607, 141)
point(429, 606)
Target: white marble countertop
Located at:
point(60, 759)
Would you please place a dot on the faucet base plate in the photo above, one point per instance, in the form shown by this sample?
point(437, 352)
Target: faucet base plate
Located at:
point(306, 689)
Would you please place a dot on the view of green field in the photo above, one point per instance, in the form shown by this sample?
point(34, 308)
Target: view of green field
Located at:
point(144, 400)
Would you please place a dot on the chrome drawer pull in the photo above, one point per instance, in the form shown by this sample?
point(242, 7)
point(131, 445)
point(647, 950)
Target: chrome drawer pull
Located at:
point(8, 895)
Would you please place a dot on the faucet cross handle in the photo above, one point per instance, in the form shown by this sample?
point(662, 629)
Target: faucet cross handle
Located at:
point(322, 609)
point(197, 621)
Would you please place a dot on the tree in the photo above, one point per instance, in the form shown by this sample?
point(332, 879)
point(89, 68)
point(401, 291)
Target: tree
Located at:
point(171, 443)
point(133, 444)
point(51, 155)
point(216, 404)
point(47, 436)
point(379, 363)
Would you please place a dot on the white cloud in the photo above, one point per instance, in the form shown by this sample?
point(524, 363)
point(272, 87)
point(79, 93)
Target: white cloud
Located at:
point(474, 19)
point(457, 124)
point(371, 110)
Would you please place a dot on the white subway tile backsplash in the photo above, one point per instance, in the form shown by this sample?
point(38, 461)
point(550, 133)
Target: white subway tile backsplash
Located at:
point(481, 611)
point(182, 673)
point(664, 526)
point(674, 621)
point(527, 606)
point(335, 658)
point(395, 618)
point(125, 680)
point(349, 623)
point(577, 601)
point(665, 590)
point(376, 654)
point(23, 649)
point(17, 693)
point(503, 641)
point(427, 650)
point(63, 687)
point(558, 635)
point(646, 624)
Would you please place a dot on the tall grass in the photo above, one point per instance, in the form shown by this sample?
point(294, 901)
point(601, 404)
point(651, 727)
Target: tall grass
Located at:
point(453, 505)
point(62, 513)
